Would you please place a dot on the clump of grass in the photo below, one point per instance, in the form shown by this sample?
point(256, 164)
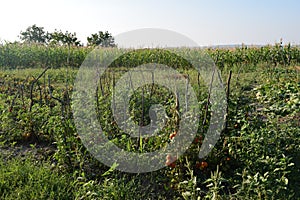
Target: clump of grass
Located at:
point(29, 179)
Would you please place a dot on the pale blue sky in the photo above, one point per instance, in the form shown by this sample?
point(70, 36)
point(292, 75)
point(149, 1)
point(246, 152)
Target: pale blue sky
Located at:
point(210, 22)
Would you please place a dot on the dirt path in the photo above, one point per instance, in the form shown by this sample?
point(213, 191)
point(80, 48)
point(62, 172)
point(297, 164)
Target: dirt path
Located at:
point(39, 152)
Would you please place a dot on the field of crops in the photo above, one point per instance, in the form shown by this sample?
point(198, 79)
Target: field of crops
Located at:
point(23, 55)
point(256, 157)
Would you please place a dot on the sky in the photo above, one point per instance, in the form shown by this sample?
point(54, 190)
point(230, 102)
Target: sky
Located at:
point(207, 22)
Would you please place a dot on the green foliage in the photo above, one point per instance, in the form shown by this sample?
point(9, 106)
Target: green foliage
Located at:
point(18, 56)
point(34, 34)
point(15, 55)
point(32, 180)
point(257, 156)
point(69, 39)
point(271, 55)
point(103, 39)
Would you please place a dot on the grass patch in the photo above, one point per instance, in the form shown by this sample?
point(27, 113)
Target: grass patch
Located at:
point(30, 179)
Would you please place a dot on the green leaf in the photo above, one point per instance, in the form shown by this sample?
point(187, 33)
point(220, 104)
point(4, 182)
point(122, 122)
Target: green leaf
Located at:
point(111, 169)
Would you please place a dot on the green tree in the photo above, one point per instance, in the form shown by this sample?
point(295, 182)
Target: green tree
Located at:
point(67, 38)
point(103, 39)
point(34, 34)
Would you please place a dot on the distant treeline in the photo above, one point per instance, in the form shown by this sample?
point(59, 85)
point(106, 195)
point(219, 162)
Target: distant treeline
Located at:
point(34, 55)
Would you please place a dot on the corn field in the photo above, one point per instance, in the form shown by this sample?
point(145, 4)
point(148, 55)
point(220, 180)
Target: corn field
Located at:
point(20, 56)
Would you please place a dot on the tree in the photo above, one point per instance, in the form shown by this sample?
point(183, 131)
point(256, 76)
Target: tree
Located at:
point(69, 39)
point(58, 37)
point(34, 34)
point(101, 39)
